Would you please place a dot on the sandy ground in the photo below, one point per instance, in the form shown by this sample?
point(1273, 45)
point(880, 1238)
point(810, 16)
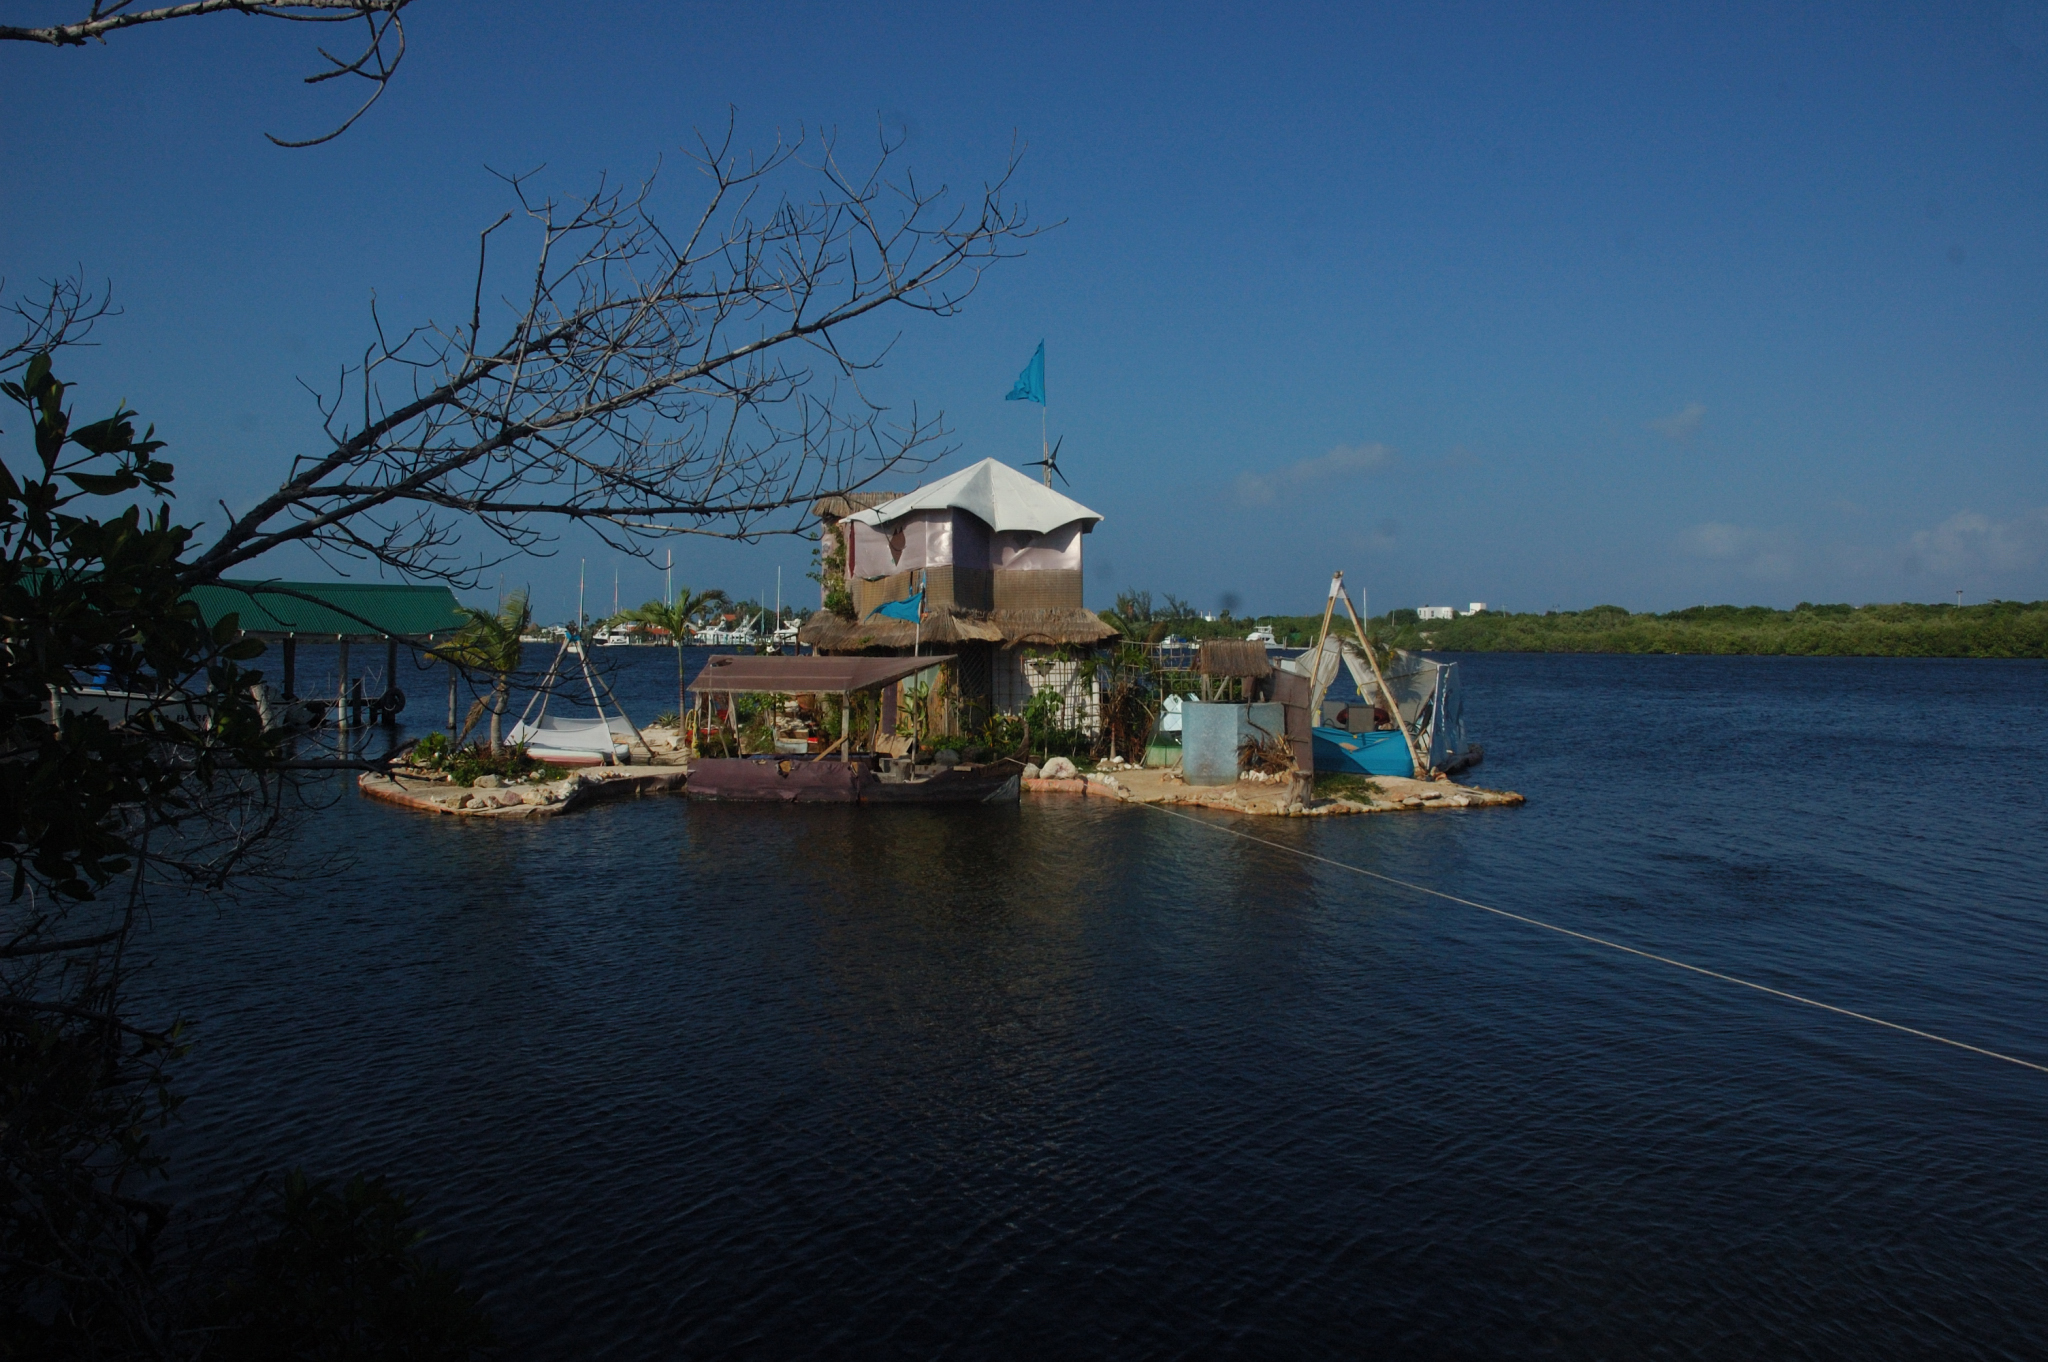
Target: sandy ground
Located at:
point(1397, 794)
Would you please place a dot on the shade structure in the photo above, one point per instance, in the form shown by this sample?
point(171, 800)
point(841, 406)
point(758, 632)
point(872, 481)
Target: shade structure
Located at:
point(999, 496)
point(807, 675)
point(358, 610)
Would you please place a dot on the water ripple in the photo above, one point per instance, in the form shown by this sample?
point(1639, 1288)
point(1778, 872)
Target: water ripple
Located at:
point(1077, 1080)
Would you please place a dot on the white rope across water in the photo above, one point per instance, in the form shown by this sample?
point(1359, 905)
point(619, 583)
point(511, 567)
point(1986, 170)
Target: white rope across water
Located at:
point(1599, 941)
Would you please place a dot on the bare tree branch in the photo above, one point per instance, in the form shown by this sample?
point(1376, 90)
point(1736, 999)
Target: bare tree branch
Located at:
point(643, 383)
point(374, 64)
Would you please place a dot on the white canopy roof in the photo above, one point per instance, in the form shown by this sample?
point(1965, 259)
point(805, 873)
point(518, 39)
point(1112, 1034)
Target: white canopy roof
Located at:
point(1002, 497)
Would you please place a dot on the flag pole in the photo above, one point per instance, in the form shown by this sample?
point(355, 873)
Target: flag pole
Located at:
point(1044, 447)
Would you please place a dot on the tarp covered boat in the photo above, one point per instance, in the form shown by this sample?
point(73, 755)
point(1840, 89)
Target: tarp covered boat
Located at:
point(1360, 737)
point(574, 742)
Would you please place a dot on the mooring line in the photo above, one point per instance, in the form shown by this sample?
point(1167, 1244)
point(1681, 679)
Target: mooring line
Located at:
point(1600, 941)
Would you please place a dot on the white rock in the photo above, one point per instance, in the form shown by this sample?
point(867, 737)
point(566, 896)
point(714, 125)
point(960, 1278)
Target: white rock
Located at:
point(1059, 768)
point(1031, 771)
point(486, 782)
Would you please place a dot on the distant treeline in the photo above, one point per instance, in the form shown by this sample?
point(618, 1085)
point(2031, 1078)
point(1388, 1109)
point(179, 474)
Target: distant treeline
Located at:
point(1996, 629)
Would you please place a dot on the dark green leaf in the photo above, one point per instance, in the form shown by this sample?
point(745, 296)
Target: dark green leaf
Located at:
point(104, 484)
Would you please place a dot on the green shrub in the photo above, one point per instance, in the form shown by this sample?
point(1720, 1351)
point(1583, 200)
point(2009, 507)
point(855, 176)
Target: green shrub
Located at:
point(464, 765)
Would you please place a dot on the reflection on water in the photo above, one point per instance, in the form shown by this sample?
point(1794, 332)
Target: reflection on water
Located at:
point(1083, 1079)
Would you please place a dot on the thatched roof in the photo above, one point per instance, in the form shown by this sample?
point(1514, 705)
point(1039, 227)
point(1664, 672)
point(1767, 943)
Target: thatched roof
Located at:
point(842, 505)
point(829, 633)
point(1233, 657)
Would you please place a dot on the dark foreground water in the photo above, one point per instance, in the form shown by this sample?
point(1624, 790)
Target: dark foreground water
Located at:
point(1084, 1080)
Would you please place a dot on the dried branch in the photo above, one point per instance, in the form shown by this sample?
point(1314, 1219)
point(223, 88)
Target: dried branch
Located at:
point(644, 384)
point(380, 18)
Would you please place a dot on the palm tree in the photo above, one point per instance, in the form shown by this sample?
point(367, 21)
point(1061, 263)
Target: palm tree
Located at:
point(490, 643)
point(676, 619)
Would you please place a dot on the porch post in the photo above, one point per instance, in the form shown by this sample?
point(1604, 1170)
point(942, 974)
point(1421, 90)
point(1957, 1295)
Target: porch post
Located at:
point(341, 684)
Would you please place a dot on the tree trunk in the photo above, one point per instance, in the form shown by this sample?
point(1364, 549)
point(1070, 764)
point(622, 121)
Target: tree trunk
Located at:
point(679, 690)
point(497, 712)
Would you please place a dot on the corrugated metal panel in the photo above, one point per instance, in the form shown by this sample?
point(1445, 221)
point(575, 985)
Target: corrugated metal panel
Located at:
point(1210, 736)
point(357, 610)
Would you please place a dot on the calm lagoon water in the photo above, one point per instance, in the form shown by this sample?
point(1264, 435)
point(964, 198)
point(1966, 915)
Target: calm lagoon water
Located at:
point(1075, 1079)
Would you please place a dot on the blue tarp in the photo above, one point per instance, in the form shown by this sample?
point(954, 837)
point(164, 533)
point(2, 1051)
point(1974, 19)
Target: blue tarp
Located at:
point(1382, 753)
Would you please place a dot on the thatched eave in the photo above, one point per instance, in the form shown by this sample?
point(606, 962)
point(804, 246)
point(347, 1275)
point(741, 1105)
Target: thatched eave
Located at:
point(1233, 657)
point(945, 625)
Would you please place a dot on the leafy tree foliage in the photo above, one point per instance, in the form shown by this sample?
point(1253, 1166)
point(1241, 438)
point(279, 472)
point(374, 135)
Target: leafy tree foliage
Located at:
point(676, 619)
point(489, 643)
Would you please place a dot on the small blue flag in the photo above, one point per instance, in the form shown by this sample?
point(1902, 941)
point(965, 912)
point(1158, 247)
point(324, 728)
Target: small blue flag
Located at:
point(911, 609)
point(1030, 385)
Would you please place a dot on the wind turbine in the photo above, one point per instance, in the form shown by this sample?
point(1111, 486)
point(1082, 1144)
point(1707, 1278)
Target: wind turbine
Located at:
point(1051, 462)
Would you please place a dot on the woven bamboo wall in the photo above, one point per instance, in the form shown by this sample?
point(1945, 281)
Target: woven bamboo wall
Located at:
point(1036, 589)
point(867, 595)
point(965, 587)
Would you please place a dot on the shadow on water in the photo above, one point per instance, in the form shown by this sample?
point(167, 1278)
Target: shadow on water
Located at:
point(1082, 1079)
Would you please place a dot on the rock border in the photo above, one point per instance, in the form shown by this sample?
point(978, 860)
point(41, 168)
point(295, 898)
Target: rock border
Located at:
point(577, 791)
point(1263, 798)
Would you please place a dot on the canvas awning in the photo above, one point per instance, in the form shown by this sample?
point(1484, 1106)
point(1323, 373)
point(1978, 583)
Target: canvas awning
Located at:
point(807, 675)
point(356, 610)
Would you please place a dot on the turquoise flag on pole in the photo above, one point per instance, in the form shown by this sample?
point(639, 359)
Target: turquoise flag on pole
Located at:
point(1030, 385)
point(910, 608)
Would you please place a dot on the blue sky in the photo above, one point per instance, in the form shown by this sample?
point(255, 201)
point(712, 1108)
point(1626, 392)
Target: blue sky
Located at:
point(1545, 306)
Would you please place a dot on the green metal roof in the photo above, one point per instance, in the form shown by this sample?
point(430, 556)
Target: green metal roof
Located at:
point(357, 610)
